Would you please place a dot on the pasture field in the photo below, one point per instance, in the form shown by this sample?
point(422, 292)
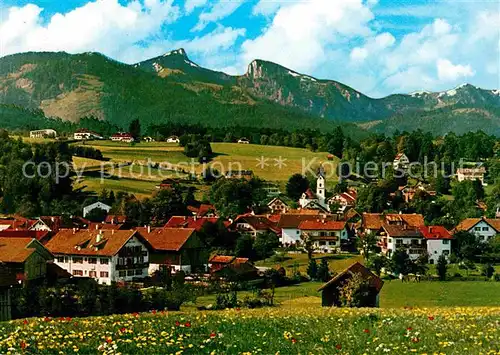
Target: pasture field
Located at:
point(295, 329)
point(275, 164)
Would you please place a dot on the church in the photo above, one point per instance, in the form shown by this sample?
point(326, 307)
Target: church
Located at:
point(315, 201)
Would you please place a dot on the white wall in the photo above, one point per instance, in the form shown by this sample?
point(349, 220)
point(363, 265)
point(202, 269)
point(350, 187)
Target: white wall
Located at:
point(483, 230)
point(290, 236)
point(436, 247)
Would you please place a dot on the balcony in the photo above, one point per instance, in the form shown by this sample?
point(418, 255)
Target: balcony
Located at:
point(132, 266)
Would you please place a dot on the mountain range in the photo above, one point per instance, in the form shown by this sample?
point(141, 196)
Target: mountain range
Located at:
point(171, 87)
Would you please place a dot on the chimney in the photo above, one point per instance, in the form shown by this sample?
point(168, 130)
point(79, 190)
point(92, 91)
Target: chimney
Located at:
point(74, 230)
point(195, 218)
point(96, 226)
point(98, 238)
point(149, 229)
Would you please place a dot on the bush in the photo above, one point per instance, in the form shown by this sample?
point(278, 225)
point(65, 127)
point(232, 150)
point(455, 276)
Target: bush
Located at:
point(488, 270)
point(496, 277)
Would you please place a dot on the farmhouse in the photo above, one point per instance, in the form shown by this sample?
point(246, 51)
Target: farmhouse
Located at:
point(175, 248)
point(288, 224)
point(401, 162)
point(330, 292)
point(326, 235)
point(402, 237)
point(122, 137)
point(173, 139)
point(373, 222)
point(85, 134)
point(90, 208)
point(218, 262)
point(23, 258)
point(483, 228)
point(471, 174)
point(438, 242)
point(344, 200)
point(243, 141)
point(278, 206)
point(104, 255)
point(43, 133)
point(253, 225)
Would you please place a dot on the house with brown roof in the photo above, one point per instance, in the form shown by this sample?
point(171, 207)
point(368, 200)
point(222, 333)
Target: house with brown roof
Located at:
point(194, 222)
point(203, 210)
point(22, 258)
point(330, 292)
point(104, 255)
point(373, 222)
point(401, 162)
point(288, 225)
point(402, 237)
point(254, 224)
point(344, 200)
point(233, 268)
point(325, 234)
point(278, 205)
point(175, 248)
point(483, 228)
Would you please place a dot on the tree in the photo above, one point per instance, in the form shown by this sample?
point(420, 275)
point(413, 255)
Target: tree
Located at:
point(308, 244)
point(264, 245)
point(488, 270)
point(232, 197)
point(296, 186)
point(244, 247)
point(356, 292)
point(323, 272)
point(135, 129)
point(442, 267)
point(376, 263)
point(312, 269)
point(401, 263)
point(97, 215)
point(467, 246)
point(367, 244)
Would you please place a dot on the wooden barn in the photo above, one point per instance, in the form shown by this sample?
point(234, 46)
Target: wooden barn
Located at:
point(330, 292)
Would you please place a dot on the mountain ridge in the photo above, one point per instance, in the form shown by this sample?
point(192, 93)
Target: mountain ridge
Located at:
point(72, 86)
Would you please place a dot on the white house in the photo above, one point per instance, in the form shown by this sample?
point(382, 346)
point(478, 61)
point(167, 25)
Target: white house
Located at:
point(43, 133)
point(471, 174)
point(100, 205)
point(85, 134)
point(105, 255)
point(395, 237)
point(483, 228)
point(326, 234)
point(438, 242)
point(243, 141)
point(278, 206)
point(344, 200)
point(401, 162)
point(173, 139)
point(289, 225)
point(122, 137)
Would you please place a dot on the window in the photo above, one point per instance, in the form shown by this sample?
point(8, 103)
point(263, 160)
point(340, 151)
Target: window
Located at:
point(390, 240)
point(120, 261)
point(104, 274)
point(446, 241)
point(138, 272)
point(477, 229)
point(322, 243)
point(92, 273)
point(77, 260)
point(298, 232)
point(77, 273)
point(130, 273)
point(122, 273)
point(446, 252)
point(141, 259)
point(485, 229)
point(92, 260)
point(104, 261)
point(60, 259)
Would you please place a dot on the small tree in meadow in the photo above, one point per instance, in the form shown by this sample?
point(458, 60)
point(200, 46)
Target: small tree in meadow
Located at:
point(442, 267)
point(312, 269)
point(356, 292)
point(488, 270)
point(323, 273)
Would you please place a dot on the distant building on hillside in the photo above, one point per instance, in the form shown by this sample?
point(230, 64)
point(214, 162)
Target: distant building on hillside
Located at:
point(173, 139)
point(401, 162)
point(85, 134)
point(90, 208)
point(471, 174)
point(243, 141)
point(43, 133)
point(122, 137)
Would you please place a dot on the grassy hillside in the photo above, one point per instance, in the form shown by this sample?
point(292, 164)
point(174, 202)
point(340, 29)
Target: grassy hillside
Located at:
point(140, 180)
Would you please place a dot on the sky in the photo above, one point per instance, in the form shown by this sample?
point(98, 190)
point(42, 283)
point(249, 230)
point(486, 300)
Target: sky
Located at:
point(378, 47)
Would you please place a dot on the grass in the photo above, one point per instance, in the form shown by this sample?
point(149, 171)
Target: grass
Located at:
point(296, 329)
point(227, 156)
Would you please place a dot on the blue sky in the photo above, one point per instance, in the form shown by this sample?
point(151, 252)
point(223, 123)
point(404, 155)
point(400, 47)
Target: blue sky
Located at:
point(378, 47)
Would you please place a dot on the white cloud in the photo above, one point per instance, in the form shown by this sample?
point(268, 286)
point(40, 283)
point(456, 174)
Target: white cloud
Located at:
point(450, 72)
point(191, 5)
point(301, 33)
point(219, 11)
point(104, 26)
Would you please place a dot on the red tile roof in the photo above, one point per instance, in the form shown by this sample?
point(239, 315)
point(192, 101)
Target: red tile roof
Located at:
point(115, 219)
point(202, 210)
point(292, 221)
point(15, 250)
point(322, 225)
point(166, 239)
point(377, 220)
point(310, 195)
point(83, 242)
point(435, 232)
point(190, 222)
point(16, 233)
point(224, 259)
point(256, 221)
point(104, 226)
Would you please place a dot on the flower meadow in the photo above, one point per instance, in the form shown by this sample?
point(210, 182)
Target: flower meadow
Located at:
point(280, 330)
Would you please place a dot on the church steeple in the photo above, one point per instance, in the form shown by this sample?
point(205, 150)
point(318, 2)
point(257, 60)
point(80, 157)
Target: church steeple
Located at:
point(320, 185)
